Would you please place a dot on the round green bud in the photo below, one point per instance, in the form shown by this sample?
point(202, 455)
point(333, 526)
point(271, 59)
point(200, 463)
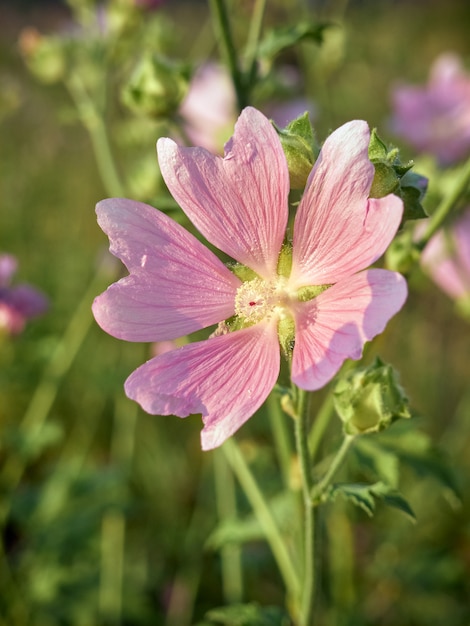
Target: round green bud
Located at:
point(370, 399)
point(156, 87)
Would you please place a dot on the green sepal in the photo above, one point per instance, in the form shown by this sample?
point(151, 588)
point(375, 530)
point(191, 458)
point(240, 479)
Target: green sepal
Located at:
point(242, 272)
point(300, 148)
point(393, 176)
point(284, 262)
point(370, 399)
point(309, 292)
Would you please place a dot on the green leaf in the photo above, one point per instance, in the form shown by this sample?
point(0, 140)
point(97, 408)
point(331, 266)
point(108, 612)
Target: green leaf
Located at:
point(279, 39)
point(377, 461)
point(248, 528)
point(365, 496)
point(246, 615)
point(415, 448)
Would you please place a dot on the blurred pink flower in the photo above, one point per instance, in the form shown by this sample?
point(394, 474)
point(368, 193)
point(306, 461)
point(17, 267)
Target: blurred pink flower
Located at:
point(239, 203)
point(17, 303)
point(446, 258)
point(436, 118)
point(209, 109)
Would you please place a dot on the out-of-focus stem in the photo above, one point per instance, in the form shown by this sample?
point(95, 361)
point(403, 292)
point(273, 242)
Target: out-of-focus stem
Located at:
point(94, 123)
point(253, 39)
point(222, 27)
point(446, 205)
point(263, 513)
point(307, 597)
point(338, 460)
point(232, 580)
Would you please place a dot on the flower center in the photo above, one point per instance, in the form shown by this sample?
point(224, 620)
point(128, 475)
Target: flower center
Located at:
point(257, 299)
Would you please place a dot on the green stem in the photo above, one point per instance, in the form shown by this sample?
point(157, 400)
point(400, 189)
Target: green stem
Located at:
point(320, 425)
point(232, 580)
point(322, 485)
point(253, 40)
point(281, 435)
point(308, 589)
point(446, 205)
point(264, 516)
point(222, 27)
point(96, 128)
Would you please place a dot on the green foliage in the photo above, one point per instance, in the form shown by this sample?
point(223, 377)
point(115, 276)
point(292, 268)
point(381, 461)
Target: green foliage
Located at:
point(365, 496)
point(246, 615)
point(282, 38)
point(105, 511)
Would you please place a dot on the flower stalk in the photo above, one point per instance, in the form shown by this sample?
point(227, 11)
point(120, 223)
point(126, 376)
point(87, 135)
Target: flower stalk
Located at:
point(446, 206)
point(320, 488)
point(307, 597)
point(256, 498)
point(222, 27)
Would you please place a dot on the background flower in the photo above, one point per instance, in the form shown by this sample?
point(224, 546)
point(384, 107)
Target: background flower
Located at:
point(447, 258)
point(435, 118)
point(18, 303)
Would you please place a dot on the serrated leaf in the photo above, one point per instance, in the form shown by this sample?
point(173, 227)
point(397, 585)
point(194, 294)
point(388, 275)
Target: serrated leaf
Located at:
point(279, 39)
point(365, 496)
point(246, 615)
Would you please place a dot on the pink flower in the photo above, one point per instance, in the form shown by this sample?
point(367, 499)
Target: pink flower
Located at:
point(240, 205)
point(17, 303)
point(436, 118)
point(209, 109)
point(447, 258)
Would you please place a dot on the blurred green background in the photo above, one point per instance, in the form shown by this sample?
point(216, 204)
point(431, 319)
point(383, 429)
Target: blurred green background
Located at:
point(106, 510)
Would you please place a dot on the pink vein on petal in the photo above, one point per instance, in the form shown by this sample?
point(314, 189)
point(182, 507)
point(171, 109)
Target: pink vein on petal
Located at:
point(225, 378)
point(176, 285)
point(239, 203)
point(335, 325)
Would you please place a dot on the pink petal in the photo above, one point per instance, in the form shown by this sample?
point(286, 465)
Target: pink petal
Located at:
point(239, 203)
point(335, 325)
point(176, 285)
point(225, 378)
point(337, 230)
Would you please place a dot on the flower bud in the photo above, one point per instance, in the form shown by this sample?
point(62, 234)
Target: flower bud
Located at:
point(300, 148)
point(44, 56)
point(393, 176)
point(370, 399)
point(156, 88)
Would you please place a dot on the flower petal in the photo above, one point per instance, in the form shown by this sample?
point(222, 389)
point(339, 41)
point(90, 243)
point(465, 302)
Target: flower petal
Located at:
point(225, 378)
point(239, 203)
point(335, 325)
point(337, 230)
point(176, 285)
